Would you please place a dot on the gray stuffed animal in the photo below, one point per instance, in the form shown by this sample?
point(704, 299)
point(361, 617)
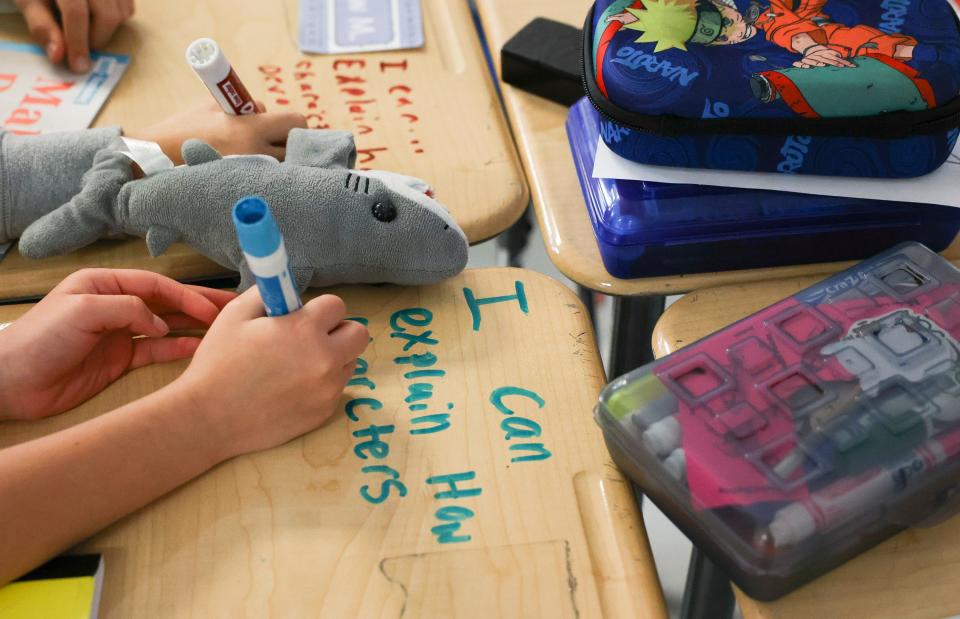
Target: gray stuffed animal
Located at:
point(339, 225)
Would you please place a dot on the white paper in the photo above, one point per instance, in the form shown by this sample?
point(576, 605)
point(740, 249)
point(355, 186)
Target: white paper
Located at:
point(148, 155)
point(942, 186)
point(38, 97)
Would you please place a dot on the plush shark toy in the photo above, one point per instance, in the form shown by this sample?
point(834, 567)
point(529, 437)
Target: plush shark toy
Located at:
point(339, 225)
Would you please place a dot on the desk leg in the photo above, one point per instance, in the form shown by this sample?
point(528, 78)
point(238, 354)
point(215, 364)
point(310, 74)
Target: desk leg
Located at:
point(633, 321)
point(515, 239)
point(707, 594)
point(586, 297)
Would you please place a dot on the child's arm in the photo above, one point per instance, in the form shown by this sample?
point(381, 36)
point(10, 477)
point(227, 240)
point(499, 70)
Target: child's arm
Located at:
point(254, 383)
point(263, 133)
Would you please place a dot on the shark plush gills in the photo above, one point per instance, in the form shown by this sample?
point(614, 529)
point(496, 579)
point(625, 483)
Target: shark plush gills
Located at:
point(339, 225)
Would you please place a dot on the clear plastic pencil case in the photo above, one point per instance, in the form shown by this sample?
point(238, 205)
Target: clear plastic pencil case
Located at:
point(796, 438)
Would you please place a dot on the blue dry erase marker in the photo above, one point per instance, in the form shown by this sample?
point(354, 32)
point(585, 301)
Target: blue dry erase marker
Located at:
point(266, 255)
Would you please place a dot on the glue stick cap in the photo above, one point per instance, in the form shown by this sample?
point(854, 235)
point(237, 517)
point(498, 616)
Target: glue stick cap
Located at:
point(208, 61)
point(663, 436)
point(256, 228)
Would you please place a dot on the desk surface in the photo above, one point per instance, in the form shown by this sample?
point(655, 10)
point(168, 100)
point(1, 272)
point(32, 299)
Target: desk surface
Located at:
point(538, 126)
point(913, 574)
point(430, 112)
point(286, 532)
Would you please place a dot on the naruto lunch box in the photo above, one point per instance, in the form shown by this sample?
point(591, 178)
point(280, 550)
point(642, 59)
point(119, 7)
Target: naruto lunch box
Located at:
point(833, 87)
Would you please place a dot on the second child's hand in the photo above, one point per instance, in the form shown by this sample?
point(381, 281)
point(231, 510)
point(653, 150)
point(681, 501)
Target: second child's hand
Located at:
point(83, 25)
point(93, 327)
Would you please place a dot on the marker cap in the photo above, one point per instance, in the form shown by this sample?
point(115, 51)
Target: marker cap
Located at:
point(256, 228)
point(208, 61)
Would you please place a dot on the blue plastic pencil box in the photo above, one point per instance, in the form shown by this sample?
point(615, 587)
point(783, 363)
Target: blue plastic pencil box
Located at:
point(799, 437)
point(869, 86)
point(646, 229)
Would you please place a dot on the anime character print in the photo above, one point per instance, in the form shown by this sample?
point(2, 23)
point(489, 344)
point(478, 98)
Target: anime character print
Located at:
point(838, 68)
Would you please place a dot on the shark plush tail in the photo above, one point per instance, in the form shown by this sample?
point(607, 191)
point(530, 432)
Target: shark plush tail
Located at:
point(87, 217)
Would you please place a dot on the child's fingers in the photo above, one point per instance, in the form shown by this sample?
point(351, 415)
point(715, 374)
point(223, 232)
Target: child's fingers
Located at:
point(218, 296)
point(43, 27)
point(182, 322)
point(247, 306)
point(147, 351)
point(98, 313)
point(105, 17)
point(157, 290)
point(75, 15)
point(273, 128)
point(327, 310)
point(350, 339)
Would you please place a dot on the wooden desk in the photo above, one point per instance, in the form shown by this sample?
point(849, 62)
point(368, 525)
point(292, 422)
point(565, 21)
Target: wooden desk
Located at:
point(431, 112)
point(913, 574)
point(286, 533)
point(538, 126)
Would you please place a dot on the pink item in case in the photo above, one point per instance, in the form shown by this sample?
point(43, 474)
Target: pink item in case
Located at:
point(799, 436)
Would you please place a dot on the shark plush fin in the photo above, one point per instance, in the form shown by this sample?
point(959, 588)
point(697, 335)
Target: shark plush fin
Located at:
point(196, 152)
point(321, 148)
point(391, 179)
point(87, 217)
point(302, 277)
point(160, 238)
point(246, 277)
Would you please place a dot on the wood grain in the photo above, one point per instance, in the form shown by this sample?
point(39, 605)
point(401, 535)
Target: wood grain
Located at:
point(431, 112)
point(285, 532)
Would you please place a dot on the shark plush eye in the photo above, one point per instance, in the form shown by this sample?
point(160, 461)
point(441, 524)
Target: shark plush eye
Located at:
point(384, 211)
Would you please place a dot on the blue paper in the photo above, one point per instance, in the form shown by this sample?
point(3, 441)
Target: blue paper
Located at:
point(350, 26)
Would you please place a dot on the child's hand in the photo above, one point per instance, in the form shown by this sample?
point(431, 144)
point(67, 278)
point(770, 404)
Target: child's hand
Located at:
point(82, 336)
point(264, 133)
point(261, 382)
point(86, 24)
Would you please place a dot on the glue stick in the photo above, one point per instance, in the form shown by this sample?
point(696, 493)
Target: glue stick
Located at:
point(213, 68)
point(266, 255)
